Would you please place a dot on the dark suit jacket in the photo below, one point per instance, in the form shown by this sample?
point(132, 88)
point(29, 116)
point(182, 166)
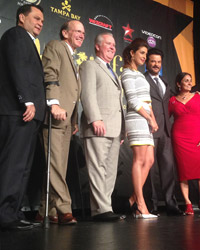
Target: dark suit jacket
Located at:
point(160, 106)
point(21, 74)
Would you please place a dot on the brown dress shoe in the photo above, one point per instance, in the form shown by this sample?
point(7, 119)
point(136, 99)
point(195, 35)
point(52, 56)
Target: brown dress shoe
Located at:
point(66, 219)
point(52, 219)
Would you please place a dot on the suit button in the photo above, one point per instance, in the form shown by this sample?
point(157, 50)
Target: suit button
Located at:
point(120, 110)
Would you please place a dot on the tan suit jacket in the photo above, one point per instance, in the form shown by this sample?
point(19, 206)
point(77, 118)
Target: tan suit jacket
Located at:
point(62, 83)
point(61, 80)
point(100, 101)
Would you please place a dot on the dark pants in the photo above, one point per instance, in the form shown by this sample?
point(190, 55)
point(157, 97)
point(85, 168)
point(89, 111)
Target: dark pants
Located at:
point(17, 147)
point(165, 160)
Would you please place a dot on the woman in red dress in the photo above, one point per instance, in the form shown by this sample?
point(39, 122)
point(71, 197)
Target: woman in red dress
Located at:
point(185, 107)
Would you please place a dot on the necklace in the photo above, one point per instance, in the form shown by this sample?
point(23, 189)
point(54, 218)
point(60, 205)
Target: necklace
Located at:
point(184, 96)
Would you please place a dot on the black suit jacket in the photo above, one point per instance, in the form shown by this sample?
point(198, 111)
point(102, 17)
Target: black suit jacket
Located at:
point(160, 106)
point(21, 78)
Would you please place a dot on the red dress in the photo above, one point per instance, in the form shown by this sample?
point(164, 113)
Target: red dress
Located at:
point(186, 136)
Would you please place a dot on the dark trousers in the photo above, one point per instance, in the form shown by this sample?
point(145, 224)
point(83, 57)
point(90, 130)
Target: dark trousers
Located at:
point(17, 147)
point(165, 160)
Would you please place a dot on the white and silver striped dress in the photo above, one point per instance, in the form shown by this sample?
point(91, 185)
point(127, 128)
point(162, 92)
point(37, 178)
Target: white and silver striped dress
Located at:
point(137, 92)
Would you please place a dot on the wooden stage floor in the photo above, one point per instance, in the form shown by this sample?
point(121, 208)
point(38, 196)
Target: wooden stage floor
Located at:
point(164, 233)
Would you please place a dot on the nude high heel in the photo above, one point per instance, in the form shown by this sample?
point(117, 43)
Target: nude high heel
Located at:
point(141, 215)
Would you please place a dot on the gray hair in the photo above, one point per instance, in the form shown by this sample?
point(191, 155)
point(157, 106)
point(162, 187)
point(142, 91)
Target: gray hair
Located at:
point(99, 38)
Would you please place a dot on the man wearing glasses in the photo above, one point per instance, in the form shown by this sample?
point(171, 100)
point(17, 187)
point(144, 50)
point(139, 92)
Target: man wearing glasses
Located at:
point(62, 92)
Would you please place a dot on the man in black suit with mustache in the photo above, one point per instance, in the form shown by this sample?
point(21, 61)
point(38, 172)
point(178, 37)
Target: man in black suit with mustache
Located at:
point(22, 108)
point(160, 93)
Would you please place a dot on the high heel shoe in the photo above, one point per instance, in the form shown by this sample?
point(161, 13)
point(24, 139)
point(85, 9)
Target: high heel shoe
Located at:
point(141, 215)
point(189, 209)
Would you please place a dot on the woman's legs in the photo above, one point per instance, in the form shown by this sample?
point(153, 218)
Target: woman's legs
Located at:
point(143, 157)
point(185, 191)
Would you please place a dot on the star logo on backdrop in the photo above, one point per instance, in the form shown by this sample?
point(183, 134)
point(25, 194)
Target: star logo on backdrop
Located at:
point(128, 31)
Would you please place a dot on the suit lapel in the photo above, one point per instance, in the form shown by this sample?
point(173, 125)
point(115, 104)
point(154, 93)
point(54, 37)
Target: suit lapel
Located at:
point(32, 44)
point(151, 82)
point(167, 87)
point(106, 70)
point(70, 57)
point(153, 85)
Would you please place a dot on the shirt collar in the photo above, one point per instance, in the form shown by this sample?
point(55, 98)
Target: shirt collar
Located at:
point(101, 60)
point(32, 37)
point(70, 48)
point(153, 76)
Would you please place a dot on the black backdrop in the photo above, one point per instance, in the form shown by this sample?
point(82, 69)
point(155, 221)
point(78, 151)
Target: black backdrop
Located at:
point(126, 19)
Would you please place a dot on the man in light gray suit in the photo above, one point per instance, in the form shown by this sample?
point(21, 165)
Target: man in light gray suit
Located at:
point(102, 122)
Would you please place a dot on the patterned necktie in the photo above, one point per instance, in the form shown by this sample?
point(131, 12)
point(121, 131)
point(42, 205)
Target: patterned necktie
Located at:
point(159, 86)
point(111, 71)
point(75, 63)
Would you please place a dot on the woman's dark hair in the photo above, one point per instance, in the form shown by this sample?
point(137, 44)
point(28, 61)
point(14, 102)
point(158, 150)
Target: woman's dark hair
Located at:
point(134, 46)
point(26, 9)
point(179, 78)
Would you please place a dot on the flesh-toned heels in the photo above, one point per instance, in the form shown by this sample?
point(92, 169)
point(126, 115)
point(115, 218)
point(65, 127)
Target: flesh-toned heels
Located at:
point(140, 215)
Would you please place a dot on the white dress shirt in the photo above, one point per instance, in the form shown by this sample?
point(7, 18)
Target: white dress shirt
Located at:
point(162, 84)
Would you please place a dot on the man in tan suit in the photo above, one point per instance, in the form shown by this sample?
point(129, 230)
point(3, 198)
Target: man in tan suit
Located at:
point(62, 93)
point(101, 125)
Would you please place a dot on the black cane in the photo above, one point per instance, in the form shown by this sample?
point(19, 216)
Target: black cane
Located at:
point(46, 218)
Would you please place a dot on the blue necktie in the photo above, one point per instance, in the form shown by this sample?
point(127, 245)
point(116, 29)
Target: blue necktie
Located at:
point(111, 71)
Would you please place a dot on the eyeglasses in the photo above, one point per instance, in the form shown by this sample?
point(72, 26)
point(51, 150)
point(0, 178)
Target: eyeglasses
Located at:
point(79, 32)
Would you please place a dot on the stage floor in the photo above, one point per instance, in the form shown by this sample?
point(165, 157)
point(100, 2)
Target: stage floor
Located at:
point(164, 233)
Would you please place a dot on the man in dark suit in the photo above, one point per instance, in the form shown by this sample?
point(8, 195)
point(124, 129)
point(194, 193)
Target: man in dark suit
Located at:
point(22, 108)
point(160, 93)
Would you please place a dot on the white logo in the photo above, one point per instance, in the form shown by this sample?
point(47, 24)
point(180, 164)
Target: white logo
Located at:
point(22, 2)
point(151, 34)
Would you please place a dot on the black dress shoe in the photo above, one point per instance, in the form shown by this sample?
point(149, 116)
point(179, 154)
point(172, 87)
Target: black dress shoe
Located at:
point(18, 226)
point(34, 224)
point(122, 216)
point(175, 212)
point(108, 216)
point(155, 212)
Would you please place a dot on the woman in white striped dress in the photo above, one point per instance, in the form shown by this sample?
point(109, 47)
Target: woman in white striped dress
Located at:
point(140, 122)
